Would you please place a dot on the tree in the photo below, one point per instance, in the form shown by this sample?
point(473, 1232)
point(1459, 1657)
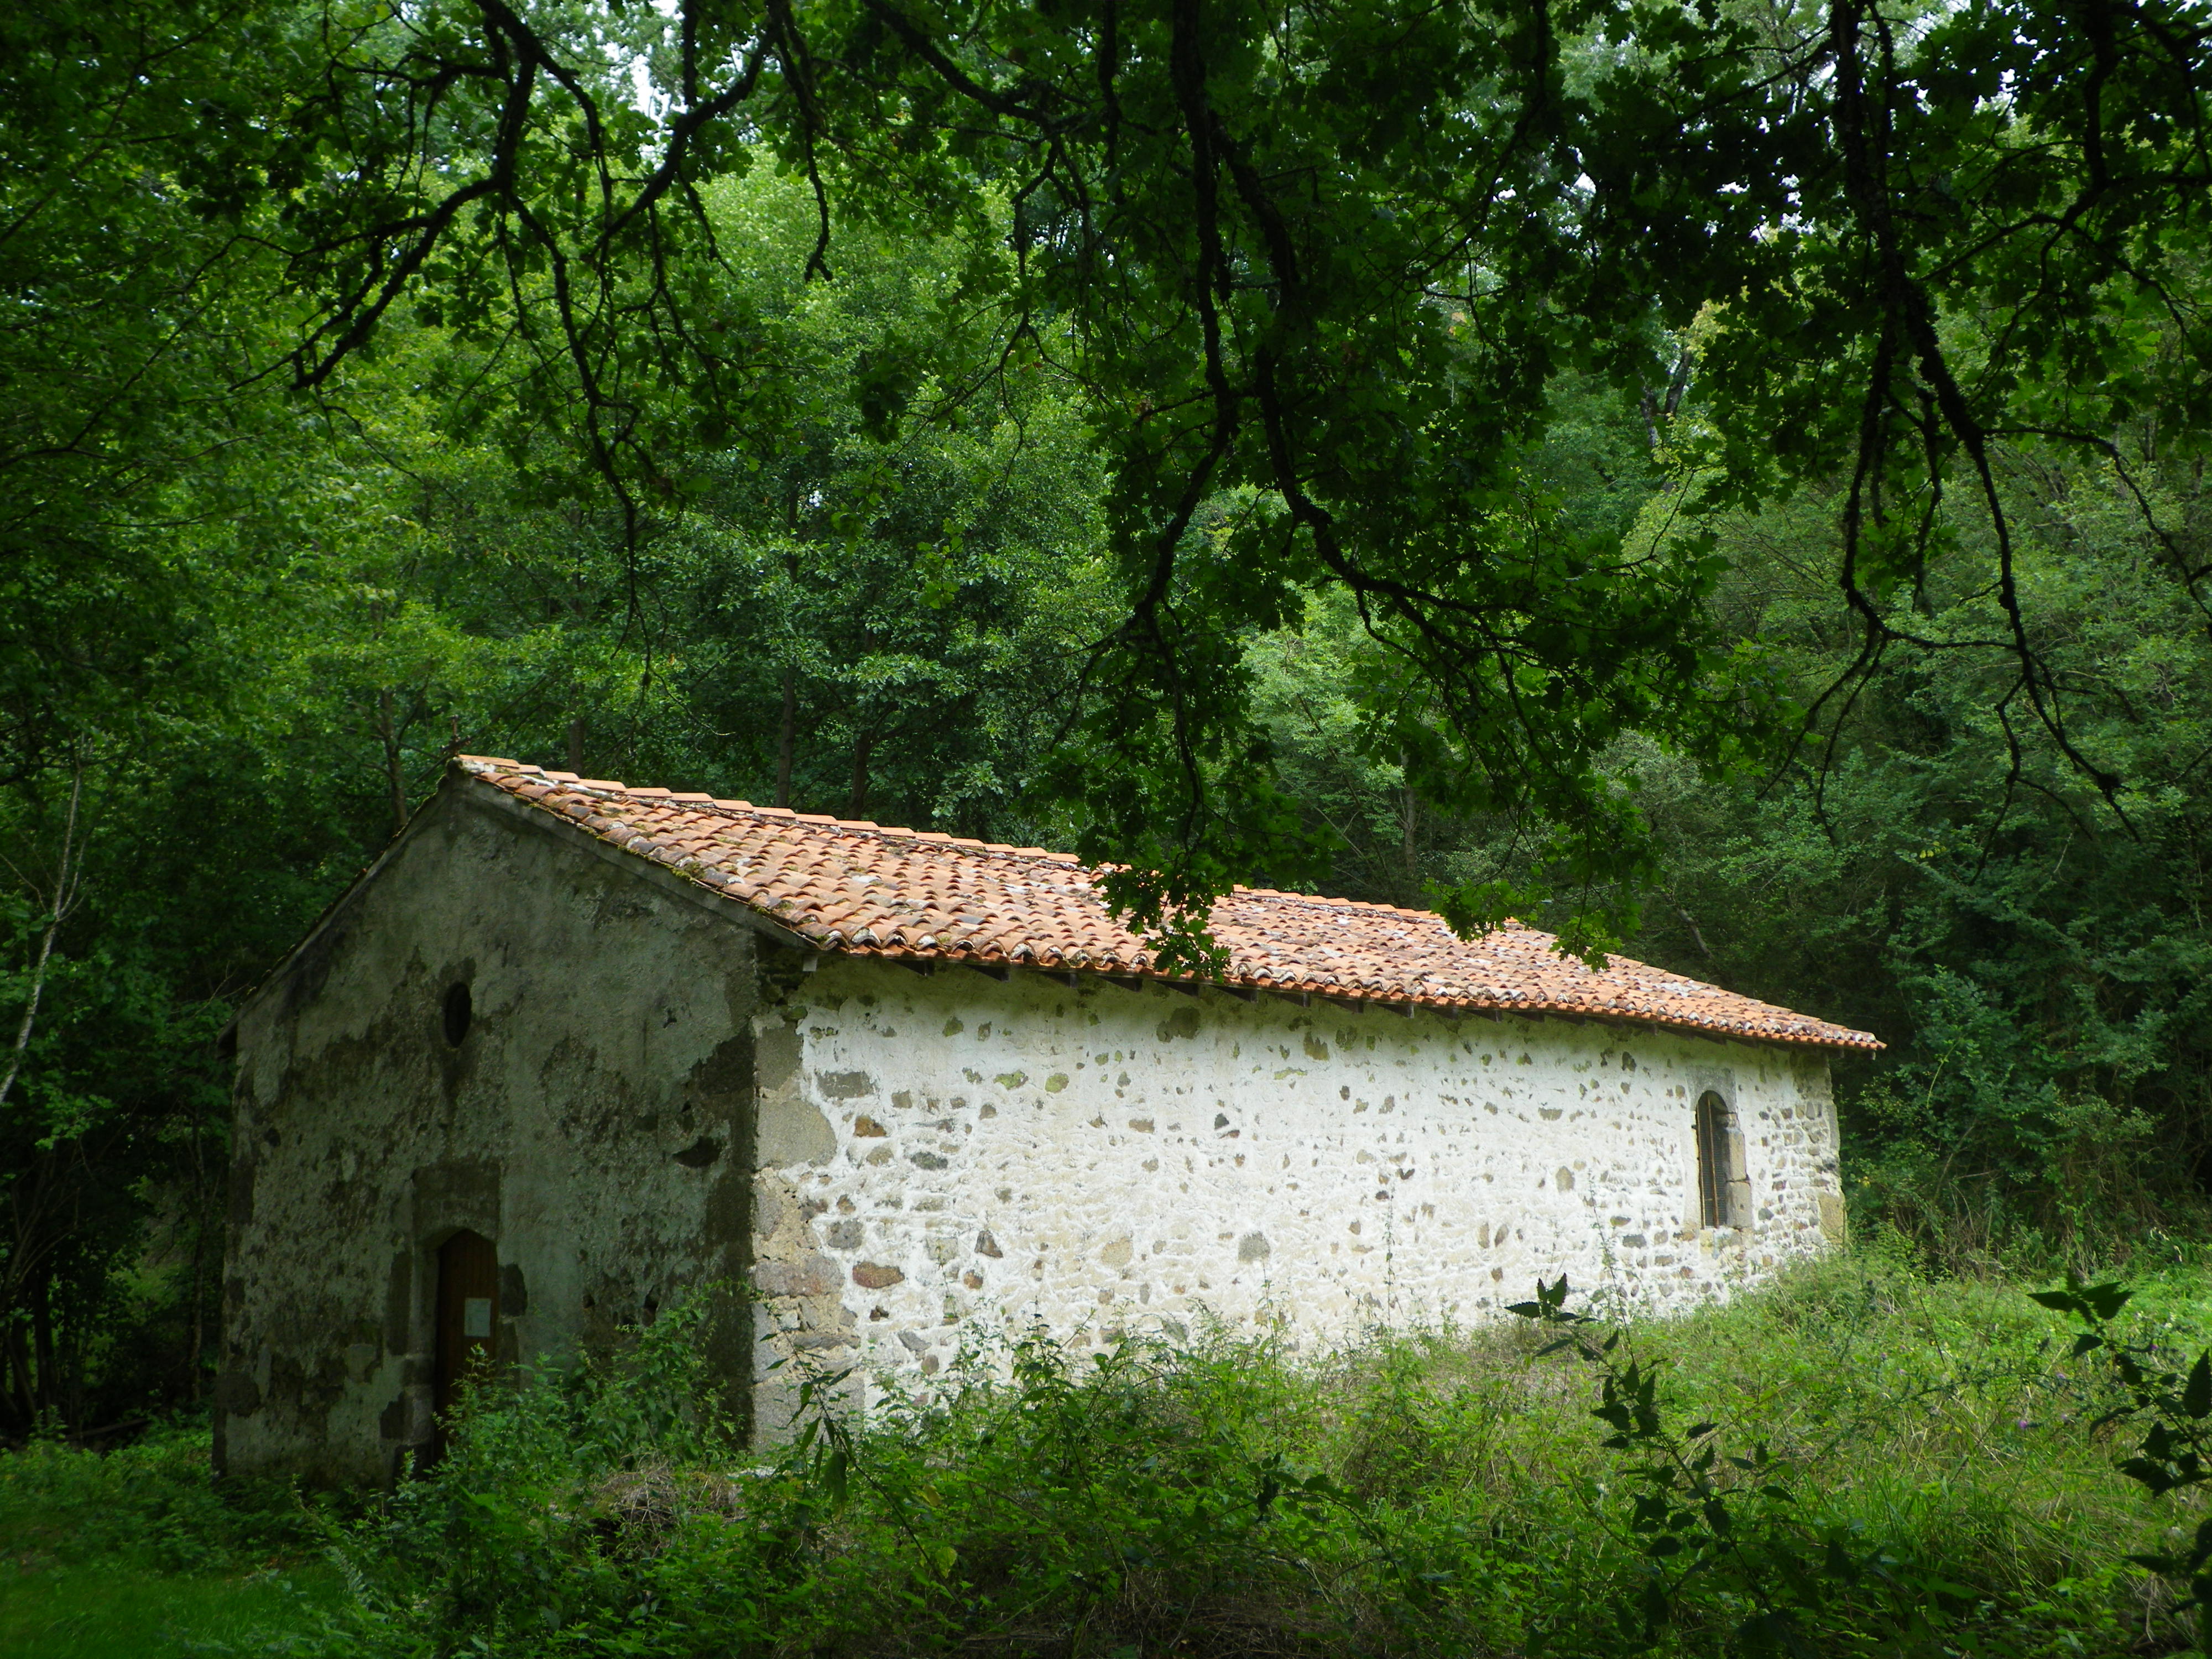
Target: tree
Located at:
point(1332, 258)
point(1495, 437)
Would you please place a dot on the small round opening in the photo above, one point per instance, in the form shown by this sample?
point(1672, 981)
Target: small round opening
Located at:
point(458, 1012)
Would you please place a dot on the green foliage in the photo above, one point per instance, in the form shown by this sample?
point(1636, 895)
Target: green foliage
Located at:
point(1935, 1477)
point(506, 1531)
point(1320, 277)
point(2175, 1401)
point(134, 1551)
point(1725, 483)
point(1733, 1535)
point(129, 285)
point(1853, 1460)
point(148, 1505)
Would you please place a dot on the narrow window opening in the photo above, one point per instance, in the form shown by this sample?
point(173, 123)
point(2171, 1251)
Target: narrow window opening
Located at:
point(1714, 1123)
point(459, 1013)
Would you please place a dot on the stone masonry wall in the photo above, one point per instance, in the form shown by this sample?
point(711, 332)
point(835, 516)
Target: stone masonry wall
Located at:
point(651, 1094)
point(594, 1122)
point(946, 1154)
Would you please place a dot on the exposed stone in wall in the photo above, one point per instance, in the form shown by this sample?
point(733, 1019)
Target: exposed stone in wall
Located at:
point(1005, 1152)
point(792, 1128)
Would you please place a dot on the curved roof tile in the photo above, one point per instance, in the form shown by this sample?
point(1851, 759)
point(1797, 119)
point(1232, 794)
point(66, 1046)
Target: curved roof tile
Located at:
point(865, 890)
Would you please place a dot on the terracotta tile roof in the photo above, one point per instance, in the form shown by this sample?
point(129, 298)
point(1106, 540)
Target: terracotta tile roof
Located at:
point(865, 890)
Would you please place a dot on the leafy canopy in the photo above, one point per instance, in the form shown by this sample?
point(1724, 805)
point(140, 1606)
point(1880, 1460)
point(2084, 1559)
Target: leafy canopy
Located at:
point(1316, 271)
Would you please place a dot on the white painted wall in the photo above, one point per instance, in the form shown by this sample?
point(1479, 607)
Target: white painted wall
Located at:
point(1092, 1157)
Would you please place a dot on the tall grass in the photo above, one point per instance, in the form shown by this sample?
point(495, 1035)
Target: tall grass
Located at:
point(1930, 1450)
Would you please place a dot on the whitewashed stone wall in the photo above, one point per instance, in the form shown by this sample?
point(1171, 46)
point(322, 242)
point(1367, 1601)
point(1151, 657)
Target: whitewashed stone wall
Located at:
point(942, 1154)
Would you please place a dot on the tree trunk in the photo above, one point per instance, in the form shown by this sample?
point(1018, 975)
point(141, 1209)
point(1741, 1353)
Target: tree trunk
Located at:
point(786, 737)
point(857, 807)
point(198, 1275)
point(66, 874)
point(1409, 846)
point(395, 774)
point(1655, 410)
point(1691, 922)
point(69, 1375)
point(22, 1399)
point(42, 1350)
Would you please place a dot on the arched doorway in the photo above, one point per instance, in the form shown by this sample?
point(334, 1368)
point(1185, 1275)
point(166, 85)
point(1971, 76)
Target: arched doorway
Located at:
point(468, 1316)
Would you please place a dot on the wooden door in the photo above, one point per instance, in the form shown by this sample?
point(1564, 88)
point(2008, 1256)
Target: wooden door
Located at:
point(468, 1316)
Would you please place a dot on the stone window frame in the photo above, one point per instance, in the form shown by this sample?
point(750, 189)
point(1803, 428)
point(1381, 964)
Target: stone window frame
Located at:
point(1723, 1180)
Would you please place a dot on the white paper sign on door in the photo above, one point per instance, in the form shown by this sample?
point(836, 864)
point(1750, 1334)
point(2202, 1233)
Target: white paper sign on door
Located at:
point(475, 1315)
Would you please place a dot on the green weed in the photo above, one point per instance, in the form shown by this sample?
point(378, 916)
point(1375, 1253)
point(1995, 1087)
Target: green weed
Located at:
point(104, 1613)
point(136, 1553)
point(1852, 1461)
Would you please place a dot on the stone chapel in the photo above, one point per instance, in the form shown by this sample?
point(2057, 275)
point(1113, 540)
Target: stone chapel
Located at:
point(570, 1048)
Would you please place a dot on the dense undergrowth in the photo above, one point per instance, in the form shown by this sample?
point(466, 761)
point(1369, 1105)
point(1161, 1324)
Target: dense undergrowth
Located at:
point(1898, 1468)
point(135, 1554)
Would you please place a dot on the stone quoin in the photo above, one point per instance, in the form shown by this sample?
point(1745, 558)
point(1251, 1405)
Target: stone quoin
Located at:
point(569, 1049)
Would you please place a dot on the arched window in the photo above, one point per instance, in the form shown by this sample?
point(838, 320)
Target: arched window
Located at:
point(1723, 1189)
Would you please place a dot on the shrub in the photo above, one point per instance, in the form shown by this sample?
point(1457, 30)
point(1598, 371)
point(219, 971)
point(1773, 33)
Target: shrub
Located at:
point(1852, 1461)
point(149, 1506)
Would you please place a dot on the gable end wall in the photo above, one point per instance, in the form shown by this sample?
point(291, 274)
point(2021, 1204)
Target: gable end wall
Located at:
point(595, 1123)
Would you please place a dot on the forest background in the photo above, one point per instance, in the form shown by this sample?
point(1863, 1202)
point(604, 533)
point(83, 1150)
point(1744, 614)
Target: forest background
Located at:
point(345, 431)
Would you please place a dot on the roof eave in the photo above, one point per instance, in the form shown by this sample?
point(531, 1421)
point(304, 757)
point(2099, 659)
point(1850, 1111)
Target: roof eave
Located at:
point(1836, 1038)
